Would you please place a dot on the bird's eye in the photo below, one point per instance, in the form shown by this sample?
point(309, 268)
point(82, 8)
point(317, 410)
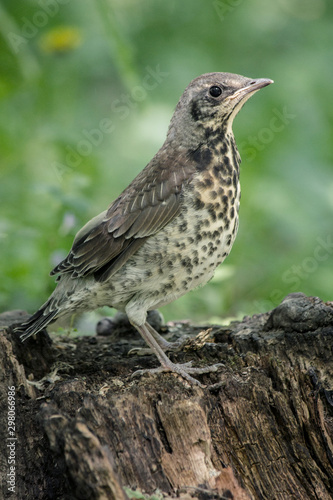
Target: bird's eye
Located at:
point(215, 91)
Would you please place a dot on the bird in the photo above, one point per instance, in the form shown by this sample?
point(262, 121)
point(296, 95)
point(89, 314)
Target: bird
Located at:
point(167, 232)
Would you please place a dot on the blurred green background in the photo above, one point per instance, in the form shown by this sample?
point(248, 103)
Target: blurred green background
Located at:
point(87, 90)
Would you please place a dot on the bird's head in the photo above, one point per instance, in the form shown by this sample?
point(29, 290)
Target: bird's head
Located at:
point(212, 101)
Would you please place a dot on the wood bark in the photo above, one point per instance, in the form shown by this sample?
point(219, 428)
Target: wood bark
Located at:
point(262, 428)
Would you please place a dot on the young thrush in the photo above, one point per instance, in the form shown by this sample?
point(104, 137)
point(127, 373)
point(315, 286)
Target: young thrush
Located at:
point(169, 229)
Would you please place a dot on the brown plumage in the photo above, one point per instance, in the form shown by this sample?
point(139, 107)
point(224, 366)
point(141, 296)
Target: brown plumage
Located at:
point(170, 228)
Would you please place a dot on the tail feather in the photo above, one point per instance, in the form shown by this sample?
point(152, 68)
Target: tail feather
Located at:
point(38, 321)
point(66, 300)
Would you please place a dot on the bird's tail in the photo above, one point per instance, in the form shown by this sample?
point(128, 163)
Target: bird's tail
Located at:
point(68, 298)
point(38, 321)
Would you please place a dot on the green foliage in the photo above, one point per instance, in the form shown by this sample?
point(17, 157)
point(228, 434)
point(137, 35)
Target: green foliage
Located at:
point(141, 496)
point(86, 94)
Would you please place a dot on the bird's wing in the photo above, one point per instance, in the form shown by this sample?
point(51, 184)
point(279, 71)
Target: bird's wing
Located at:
point(150, 202)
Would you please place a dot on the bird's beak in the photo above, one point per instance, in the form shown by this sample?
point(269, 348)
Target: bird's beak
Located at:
point(253, 86)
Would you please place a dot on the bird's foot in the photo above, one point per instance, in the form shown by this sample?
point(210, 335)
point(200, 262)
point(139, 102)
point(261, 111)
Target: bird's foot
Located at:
point(184, 369)
point(173, 346)
point(184, 343)
point(164, 344)
point(157, 345)
point(140, 351)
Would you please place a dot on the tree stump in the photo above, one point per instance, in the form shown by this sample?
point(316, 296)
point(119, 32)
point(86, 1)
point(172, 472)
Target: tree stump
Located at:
point(262, 428)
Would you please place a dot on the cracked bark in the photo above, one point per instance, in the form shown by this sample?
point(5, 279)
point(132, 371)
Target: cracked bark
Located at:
point(261, 429)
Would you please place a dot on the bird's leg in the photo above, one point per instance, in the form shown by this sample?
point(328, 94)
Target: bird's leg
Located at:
point(167, 365)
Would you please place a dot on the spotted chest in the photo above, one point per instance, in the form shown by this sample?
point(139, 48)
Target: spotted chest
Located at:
point(213, 211)
point(219, 195)
point(207, 228)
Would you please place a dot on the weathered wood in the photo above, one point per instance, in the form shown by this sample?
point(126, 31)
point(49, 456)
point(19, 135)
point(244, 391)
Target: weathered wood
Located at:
point(261, 429)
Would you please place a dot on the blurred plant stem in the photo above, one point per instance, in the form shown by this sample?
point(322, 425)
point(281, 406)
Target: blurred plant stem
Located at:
point(121, 51)
point(26, 61)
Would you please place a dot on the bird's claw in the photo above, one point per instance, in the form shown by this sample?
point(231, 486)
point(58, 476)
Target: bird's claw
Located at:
point(164, 344)
point(139, 351)
point(184, 370)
